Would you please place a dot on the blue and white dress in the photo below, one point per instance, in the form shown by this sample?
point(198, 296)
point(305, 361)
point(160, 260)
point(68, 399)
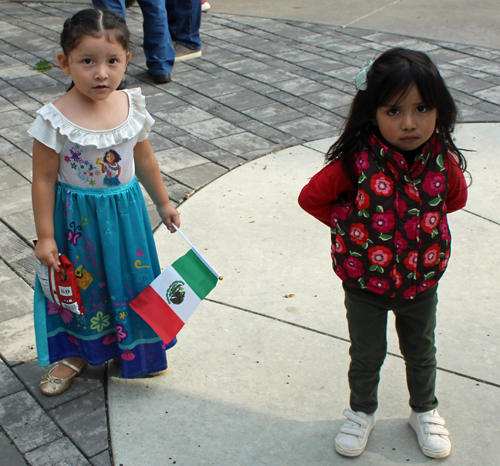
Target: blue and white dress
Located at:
point(104, 230)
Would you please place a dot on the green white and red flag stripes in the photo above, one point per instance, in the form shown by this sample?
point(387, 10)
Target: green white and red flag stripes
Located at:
point(168, 302)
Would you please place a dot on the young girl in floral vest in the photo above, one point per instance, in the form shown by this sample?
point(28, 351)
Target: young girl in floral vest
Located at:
point(391, 179)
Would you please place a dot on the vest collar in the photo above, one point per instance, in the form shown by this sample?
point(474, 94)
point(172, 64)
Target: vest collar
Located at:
point(395, 161)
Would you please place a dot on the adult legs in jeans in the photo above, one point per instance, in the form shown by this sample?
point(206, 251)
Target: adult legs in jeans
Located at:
point(184, 20)
point(158, 46)
point(116, 6)
point(415, 323)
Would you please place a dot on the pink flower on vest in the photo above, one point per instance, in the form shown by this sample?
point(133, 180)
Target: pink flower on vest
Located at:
point(334, 219)
point(384, 222)
point(411, 228)
point(399, 159)
point(339, 212)
point(434, 183)
point(372, 140)
point(396, 276)
point(361, 161)
point(411, 261)
point(362, 200)
point(418, 169)
point(444, 261)
point(382, 184)
point(393, 171)
point(380, 255)
point(400, 243)
point(358, 233)
point(410, 292)
point(431, 256)
point(430, 221)
point(445, 232)
point(338, 245)
point(412, 191)
point(425, 285)
point(353, 267)
point(340, 272)
point(344, 211)
point(400, 206)
point(378, 285)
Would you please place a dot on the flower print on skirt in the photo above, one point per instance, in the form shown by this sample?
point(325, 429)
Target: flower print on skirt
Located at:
point(107, 236)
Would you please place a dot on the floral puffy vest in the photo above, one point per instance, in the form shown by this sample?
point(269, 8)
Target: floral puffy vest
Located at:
point(394, 239)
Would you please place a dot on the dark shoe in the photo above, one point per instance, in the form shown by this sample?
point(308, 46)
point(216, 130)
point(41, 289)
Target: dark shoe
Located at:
point(183, 53)
point(129, 3)
point(161, 78)
point(122, 85)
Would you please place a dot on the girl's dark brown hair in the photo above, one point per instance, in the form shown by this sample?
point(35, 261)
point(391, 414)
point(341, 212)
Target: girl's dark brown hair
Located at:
point(95, 23)
point(393, 74)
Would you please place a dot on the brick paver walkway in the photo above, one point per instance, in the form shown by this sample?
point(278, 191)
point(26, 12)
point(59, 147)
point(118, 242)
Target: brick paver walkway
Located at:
point(261, 85)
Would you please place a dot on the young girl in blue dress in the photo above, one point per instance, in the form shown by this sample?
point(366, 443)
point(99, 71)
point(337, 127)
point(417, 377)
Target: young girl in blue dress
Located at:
point(390, 181)
point(99, 221)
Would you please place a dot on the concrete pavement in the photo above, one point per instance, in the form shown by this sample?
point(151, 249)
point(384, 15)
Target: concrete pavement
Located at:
point(447, 20)
point(262, 85)
point(259, 373)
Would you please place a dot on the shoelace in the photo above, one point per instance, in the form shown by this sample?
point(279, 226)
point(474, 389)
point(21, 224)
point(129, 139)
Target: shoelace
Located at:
point(355, 425)
point(434, 425)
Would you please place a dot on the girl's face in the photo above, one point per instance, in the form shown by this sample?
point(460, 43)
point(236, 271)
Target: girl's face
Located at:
point(110, 157)
point(405, 121)
point(96, 66)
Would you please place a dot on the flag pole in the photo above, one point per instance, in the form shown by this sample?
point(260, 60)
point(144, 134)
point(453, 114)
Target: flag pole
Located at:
point(198, 253)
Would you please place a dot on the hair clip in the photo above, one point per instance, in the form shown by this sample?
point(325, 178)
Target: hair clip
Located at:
point(362, 77)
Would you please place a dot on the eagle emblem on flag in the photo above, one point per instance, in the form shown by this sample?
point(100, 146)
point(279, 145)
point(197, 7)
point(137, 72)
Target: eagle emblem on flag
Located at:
point(176, 293)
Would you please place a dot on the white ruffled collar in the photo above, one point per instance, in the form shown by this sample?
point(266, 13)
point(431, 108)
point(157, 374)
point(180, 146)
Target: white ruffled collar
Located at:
point(137, 119)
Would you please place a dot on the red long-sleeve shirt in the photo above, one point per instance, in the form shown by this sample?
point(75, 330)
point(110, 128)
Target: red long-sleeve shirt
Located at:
point(324, 188)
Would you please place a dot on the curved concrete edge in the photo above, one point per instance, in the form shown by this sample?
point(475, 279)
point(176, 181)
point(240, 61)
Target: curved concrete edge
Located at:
point(260, 378)
point(416, 18)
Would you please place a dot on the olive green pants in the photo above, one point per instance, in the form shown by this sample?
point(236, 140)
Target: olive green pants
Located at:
point(415, 323)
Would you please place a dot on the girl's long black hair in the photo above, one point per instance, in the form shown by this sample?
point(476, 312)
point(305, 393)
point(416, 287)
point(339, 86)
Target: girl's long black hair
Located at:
point(393, 74)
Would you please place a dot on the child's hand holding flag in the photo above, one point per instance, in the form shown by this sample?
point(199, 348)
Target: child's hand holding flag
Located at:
point(168, 302)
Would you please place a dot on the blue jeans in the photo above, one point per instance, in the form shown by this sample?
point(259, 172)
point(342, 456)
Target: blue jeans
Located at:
point(183, 20)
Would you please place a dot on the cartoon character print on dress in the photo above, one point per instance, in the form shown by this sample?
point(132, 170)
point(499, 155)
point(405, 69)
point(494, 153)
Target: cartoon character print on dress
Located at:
point(86, 171)
point(110, 167)
point(393, 239)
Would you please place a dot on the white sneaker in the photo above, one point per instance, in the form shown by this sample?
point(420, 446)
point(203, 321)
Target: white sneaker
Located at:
point(354, 433)
point(205, 6)
point(432, 436)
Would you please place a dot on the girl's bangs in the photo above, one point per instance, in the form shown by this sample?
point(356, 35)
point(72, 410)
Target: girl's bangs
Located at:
point(400, 83)
point(396, 85)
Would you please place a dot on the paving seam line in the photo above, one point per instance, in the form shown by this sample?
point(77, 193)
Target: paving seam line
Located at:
point(346, 340)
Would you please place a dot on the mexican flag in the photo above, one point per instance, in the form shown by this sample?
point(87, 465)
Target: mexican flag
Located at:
point(168, 302)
